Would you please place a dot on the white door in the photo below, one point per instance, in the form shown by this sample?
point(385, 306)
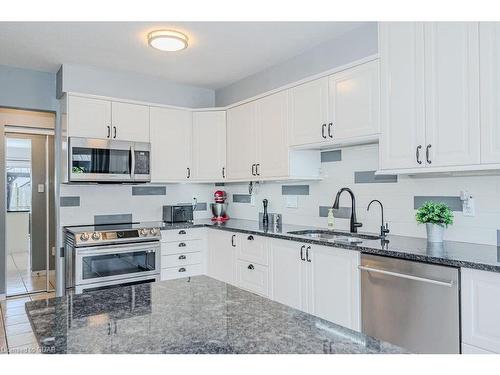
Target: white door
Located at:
point(222, 247)
point(452, 93)
point(170, 131)
point(241, 142)
point(309, 112)
point(130, 122)
point(354, 102)
point(489, 45)
point(402, 122)
point(272, 135)
point(89, 118)
point(288, 274)
point(209, 145)
point(334, 285)
point(481, 309)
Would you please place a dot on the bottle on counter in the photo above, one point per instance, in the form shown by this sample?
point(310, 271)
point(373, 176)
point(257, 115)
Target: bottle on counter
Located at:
point(330, 218)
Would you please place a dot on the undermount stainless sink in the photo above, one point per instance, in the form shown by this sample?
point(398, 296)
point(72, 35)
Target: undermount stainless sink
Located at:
point(328, 235)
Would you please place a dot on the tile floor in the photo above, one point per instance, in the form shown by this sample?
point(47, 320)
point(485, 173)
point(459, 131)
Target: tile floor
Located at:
point(16, 335)
point(19, 277)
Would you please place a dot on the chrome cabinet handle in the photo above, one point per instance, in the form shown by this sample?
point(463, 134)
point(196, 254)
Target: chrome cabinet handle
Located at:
point(405, 276)
point(114, 129)
point(307, 254)
point(427, 157)
point(182, 244)
point(417, 154)
point(250, 267)
point(182, 257)
point(323, 127)
point(182, 232)
point(232, 240)
point(257, 173)
point(250, 238)
point(330, 129)
point(302, 252)
point(182, 269)
point(109, 131)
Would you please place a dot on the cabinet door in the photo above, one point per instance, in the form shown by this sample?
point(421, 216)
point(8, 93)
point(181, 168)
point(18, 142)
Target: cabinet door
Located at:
point(309, 112)
point(490, 91)
point(130, 122)
point(241, 141)
point(170, 144)
point(334, 285)
point(222, 248)
point(452, 93)
point(89, 118)
point(402, 120)
point(209, 145)
point(354, 102)
point(481, 309)
point(272, 140)
point(288, 274)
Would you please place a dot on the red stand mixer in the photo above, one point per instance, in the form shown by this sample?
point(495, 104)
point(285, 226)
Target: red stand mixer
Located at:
point(219, 208)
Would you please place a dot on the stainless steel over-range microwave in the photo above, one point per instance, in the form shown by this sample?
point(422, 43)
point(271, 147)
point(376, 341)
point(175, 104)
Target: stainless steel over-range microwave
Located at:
point(103, 160)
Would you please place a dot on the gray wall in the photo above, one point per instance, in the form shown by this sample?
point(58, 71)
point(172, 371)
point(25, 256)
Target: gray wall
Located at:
point(27, 89)
point(133, 86)
point(351, 46)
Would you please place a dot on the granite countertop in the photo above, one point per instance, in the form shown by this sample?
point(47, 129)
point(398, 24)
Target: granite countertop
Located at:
point(449, 253)
point(189, 315)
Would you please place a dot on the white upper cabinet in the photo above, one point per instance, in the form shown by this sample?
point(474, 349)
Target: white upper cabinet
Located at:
point(241, 142)
point(354, 102)
point(402, 138)
point(429, 95)
point(105, 119)
point(130, 122)
point(309, 112)
point(209, 146)
point(89, 118)
point(452, 93)
point(272, 135)
point(171, 134)
point(490, 91)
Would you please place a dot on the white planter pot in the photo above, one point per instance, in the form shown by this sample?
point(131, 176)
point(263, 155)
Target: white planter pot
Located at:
point(434, 232)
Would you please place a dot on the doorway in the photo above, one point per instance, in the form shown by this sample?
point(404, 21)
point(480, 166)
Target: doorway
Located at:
point(30, 234)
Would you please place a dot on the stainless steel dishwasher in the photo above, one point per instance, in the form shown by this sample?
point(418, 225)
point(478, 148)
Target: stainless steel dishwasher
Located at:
point(410, 304)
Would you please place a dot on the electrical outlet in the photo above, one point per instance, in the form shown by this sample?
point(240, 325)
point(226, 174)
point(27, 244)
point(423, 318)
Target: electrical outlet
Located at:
point(292, 201)
point(468, 207)
point(252, 200)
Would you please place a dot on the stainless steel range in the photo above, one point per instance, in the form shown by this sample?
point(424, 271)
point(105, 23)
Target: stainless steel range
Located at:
point(102, 256)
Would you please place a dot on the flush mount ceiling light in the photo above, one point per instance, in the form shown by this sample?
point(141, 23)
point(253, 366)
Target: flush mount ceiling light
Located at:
point(167, 40)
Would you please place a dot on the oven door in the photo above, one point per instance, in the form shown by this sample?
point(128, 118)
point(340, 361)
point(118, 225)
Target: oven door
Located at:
point(101, 160)
point(101, 264)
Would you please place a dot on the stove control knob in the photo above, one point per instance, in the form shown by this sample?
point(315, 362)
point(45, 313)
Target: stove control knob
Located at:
point(143, 232)
point(84, 236)
point(154, 231)
point(96, 236)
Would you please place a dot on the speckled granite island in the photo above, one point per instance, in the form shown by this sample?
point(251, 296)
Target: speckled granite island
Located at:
point(189, 315)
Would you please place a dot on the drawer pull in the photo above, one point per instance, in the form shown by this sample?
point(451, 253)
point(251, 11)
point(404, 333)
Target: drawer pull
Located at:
point(182, 244)
point(182, 269)
point(182, 232)
point(251, 267)
point(182, 257)
point(250, 238)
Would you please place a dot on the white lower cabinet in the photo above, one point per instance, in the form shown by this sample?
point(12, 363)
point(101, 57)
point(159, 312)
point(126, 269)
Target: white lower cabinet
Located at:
point(480, 311)
point(222, 255)
point(253, 277)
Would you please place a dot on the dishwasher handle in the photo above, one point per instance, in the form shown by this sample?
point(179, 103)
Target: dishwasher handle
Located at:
point(449, 284)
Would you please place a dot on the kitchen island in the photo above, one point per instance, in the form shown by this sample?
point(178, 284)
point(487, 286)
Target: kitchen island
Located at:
point(188, 315)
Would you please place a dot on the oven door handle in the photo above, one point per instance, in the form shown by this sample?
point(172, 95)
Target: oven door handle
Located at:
point(116, 249)
point(132, 163)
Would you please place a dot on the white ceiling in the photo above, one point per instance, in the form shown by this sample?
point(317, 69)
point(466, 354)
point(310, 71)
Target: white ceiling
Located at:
point(219, 53)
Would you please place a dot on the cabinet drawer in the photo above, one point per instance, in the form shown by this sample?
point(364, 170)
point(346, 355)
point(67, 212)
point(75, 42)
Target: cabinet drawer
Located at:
point(177, 260)
point(173, 235)
point(254, 249)
point(253, 277)
point(168, 248)
point(182, 271)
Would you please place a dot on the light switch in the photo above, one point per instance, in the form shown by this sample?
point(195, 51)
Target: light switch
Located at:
point(292, 201)
point(41, 188)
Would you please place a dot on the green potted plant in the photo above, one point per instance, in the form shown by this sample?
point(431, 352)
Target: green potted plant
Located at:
point(436, 216)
